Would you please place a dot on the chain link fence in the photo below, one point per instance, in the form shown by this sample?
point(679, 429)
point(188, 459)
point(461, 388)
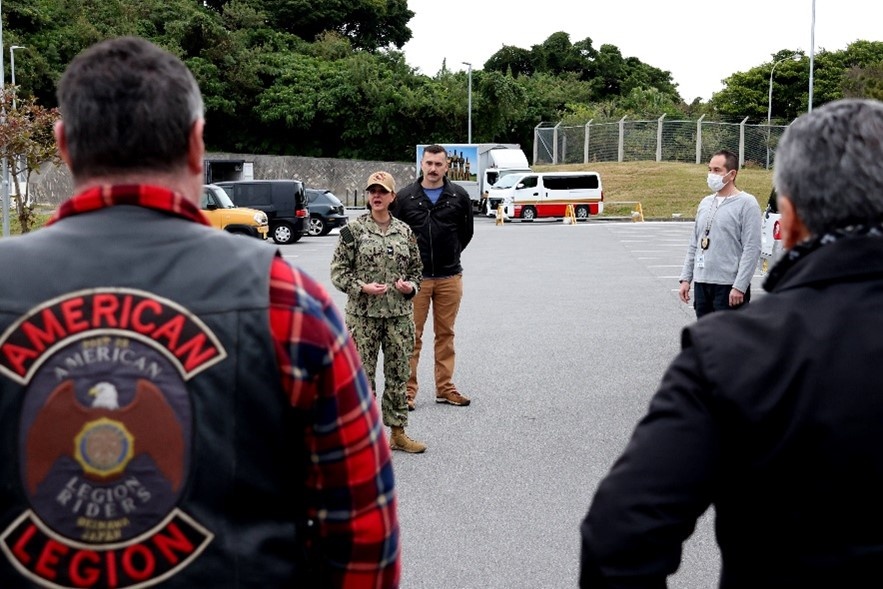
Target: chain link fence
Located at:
point(660, 140)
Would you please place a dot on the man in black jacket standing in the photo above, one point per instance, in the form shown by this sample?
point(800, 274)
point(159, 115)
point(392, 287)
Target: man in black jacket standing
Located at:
point(440, 214)
point(772, 414)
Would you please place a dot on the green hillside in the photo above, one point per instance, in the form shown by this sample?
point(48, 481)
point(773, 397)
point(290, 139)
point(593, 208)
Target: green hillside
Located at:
point(664, 189)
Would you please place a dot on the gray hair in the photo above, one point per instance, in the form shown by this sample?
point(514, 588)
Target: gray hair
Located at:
point(829, 163)
point(127, 106)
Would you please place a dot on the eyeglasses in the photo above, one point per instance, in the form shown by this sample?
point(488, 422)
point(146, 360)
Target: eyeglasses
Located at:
point(375, 190)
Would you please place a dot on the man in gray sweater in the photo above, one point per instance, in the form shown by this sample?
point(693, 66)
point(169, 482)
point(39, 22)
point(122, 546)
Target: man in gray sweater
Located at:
point(725, 245)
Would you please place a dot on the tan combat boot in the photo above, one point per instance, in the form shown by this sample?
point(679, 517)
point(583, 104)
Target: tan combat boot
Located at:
point(399, 440)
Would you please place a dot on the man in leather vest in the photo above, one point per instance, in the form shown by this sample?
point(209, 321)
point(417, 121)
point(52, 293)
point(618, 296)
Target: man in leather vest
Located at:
point(178, 405)
point(773, 414)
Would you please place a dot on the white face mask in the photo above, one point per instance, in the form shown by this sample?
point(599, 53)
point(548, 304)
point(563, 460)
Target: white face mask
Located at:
point(715, 182)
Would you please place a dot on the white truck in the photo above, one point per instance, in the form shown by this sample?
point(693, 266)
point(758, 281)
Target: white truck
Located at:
point(477, 166)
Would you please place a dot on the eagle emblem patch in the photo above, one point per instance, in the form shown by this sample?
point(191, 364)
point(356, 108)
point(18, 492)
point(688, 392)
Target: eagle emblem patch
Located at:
point(105, 440)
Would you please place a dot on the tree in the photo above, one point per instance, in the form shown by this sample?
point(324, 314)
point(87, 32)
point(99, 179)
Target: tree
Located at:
point(832, 68)
point(643, 102)
point(557, 55)
point(498, 101)
point(611, 71)
point(848, 72)
point(368, 24)
point(511, 60)
point(640, 76)
point(864, 82)
point(745, 94)
point(27, 141)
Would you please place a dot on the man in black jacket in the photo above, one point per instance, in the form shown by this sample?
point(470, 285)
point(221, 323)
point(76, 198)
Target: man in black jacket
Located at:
point(440, 214)
point(773, 414)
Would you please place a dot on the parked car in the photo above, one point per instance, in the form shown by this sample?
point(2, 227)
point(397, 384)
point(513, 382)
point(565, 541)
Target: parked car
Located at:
point(223, 214)
point(770, 236)
point(284, 202)
point(326, 211)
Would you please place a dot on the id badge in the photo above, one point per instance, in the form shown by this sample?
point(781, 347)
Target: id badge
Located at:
point(700, 260)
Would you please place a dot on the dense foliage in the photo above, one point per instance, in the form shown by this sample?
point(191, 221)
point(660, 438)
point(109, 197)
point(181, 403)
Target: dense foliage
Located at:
point(856, 71)
point(327, 78)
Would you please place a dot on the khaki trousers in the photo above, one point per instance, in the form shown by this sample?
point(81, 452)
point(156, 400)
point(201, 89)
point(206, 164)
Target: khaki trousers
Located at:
point(443, 295)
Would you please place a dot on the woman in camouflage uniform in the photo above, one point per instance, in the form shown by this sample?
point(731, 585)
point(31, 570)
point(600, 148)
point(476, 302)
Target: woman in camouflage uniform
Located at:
point(377, 264)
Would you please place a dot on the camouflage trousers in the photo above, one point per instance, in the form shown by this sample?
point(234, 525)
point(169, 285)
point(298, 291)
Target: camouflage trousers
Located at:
point(395, 336)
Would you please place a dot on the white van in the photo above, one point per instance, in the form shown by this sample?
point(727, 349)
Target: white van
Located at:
point(537, 195)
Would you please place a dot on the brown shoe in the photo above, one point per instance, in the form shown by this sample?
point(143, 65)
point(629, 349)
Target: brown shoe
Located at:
point(399, 440)
point(452, 398)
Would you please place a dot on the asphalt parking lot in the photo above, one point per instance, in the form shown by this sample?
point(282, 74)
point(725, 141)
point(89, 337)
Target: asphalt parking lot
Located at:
point(562, 337)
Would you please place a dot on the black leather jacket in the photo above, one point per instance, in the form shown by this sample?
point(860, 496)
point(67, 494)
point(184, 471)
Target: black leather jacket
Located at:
point(443, 229)
point(772, 414)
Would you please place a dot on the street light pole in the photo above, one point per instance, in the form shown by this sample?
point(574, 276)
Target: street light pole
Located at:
point(812, 52)
point(469, 74)
point(769, 110)
point(12, 49)
point(15, 164)
point(4, 178)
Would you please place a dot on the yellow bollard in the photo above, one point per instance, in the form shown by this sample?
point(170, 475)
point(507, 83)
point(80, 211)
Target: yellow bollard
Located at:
point(569, 215)
point(501, 214)
point(638, 214)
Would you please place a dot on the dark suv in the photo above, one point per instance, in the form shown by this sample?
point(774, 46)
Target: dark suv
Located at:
point(284, 201)
point(326, 211)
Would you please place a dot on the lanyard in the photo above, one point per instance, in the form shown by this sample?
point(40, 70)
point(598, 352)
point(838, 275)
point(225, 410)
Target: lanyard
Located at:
point(705, 241)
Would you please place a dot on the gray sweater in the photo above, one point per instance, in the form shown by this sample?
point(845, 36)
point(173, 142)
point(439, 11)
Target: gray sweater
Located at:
point(734, 242)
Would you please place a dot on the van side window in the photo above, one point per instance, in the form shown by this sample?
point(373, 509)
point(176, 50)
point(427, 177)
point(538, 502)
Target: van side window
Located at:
point(556, 182)
point(529, 181)
point(587, 181)
point(251, 195)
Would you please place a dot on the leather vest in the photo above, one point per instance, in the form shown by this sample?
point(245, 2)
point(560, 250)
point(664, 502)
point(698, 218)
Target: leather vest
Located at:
point(148, 437)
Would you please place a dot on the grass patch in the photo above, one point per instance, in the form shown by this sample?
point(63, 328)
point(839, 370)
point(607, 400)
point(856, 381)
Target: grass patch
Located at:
point(42, 216)
point(664, 189)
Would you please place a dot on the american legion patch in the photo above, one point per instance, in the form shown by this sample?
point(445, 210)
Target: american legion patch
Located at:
point(105, 436)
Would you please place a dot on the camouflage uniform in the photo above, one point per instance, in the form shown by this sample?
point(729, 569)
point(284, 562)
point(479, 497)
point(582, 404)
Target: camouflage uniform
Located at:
point(365, 254)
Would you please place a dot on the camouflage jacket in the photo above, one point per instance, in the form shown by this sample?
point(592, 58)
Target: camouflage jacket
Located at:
point(365, 254)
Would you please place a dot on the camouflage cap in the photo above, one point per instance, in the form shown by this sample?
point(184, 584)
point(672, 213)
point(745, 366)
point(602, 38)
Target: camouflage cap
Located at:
point(381, 178)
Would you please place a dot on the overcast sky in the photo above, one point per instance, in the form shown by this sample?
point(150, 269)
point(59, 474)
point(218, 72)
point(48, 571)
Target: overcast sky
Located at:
point(699, 42)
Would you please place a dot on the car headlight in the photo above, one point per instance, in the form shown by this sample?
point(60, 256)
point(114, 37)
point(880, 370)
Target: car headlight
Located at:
point(260, 218)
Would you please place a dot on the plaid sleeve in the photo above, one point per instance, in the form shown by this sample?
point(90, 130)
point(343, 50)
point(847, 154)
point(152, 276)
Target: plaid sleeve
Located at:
point(350, 486)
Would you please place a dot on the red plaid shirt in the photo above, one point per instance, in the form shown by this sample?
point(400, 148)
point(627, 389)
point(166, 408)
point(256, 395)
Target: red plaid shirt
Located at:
point(350, 478)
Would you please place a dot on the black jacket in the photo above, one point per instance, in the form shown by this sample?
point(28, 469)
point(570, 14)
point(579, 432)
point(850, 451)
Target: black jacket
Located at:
point(773, 414)
point(443, 229)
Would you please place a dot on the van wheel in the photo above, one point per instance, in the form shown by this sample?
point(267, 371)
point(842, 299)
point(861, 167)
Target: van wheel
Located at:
point(317, 226)
point(582, 212)
point(282, 233)
point(528, 213)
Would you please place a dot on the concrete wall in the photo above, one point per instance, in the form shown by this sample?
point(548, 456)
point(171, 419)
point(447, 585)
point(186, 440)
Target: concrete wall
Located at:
point(345, 178)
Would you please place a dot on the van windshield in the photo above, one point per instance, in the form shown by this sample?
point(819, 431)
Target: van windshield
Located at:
point(507, 181)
